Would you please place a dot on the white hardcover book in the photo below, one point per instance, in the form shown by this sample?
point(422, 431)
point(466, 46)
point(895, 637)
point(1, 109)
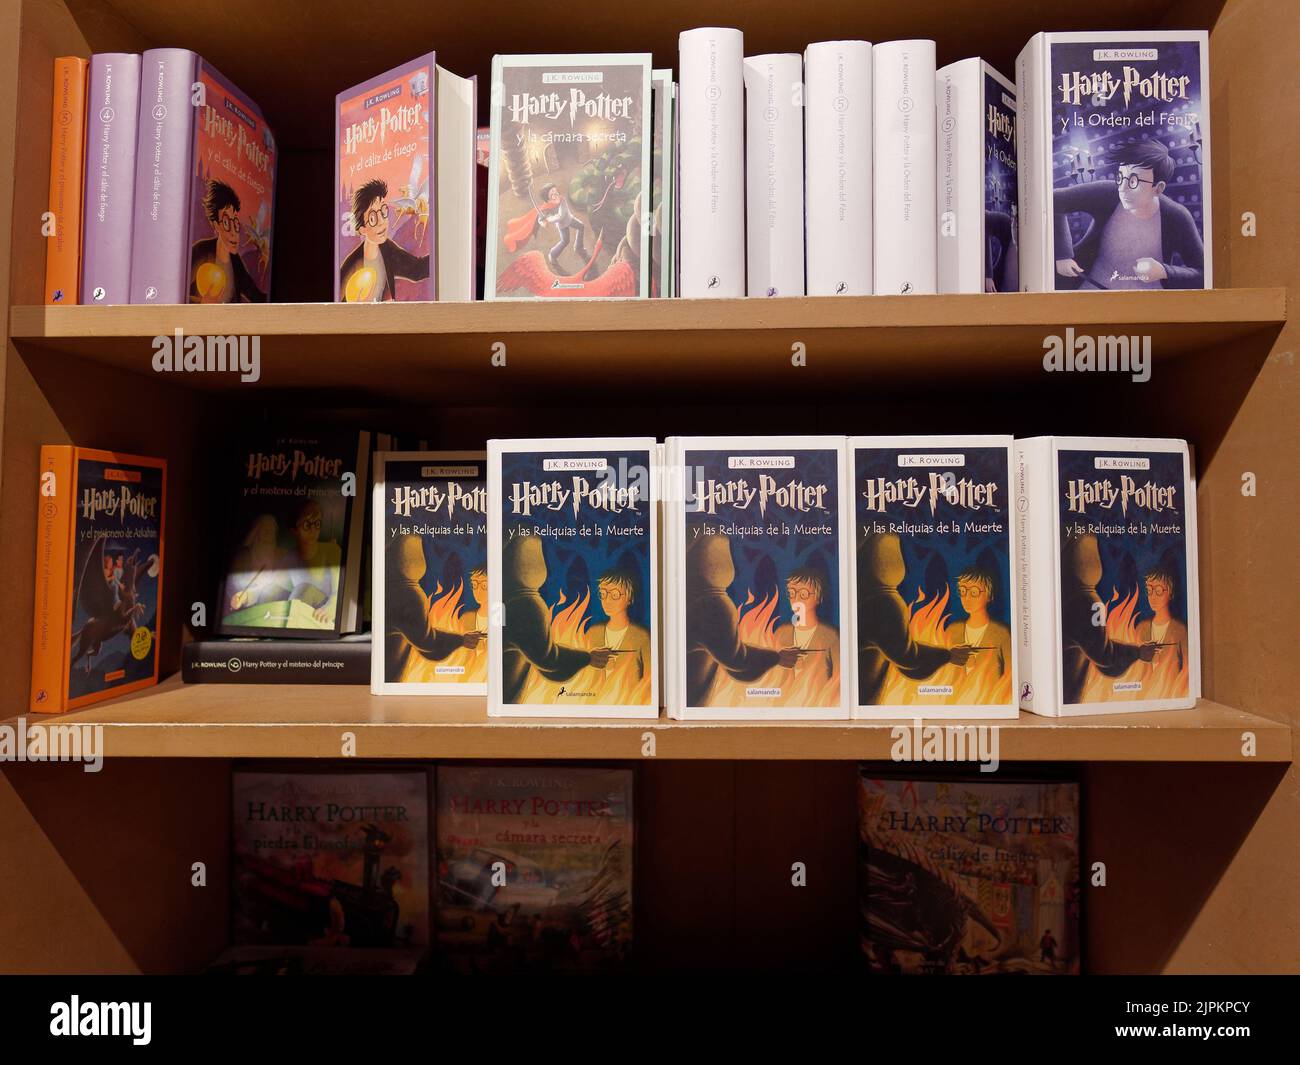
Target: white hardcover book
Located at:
point(977, 213)
point(903, 168)
point(837, 168)
point(572, 564)
point(457, 168)
point(934, 577)
point(1110, 605)
point(429, 584)
point(774, 175)
point(760, 572)
point(1115, 161)
point(711, 158)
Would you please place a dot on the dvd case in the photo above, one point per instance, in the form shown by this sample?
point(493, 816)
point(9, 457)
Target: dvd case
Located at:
point(572, 561)
point(1115, 161)
point(934, 575)
point(758, 577)
point(430, 583)
point(1110, 605)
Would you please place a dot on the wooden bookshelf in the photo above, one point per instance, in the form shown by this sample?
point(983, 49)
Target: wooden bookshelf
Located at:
point(433, 351)
point(309, 721)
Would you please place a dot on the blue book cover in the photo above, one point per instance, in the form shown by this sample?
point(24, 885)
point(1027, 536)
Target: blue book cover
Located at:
point(936, 609)
point(430, 586)
point(1001, 202)
point(572, 563)
point(1130, 163)
point(761, 578)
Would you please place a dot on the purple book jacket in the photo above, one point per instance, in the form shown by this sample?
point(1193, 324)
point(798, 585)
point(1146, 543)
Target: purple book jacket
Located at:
point(113, 103)
point(385, 143)
point(205, 187)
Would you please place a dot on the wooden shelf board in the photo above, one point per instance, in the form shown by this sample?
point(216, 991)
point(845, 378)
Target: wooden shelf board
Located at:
point(419, 351)
point(178, 720)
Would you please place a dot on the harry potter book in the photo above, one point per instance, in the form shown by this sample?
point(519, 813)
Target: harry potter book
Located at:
point(404, 179)
point(934, 629)
point(979, 250)
point(534, 868)
point(112, 123)
point(330, 859)
point(572, 563)
point(663, 169)
point(968, 877)
point(1108, 566)
point(1115, 161)
point(568, 202)
point(205, 187)
point(759, 577)
point(99, 559)
point(292, 561)
point(67, 154)
point(429, 555)
point(774, 204)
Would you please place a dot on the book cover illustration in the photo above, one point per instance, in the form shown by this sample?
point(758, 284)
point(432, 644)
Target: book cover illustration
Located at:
point(232, 199)
point(1001, 196)
point(575, 564)
point(936, 614)
point(969, 877)
point(1130, 161)
point(117, 552)
point(663, 171)
point(534, 868)
point(290, 536)
point(570, 158)
point(1126, 604)
point(763, 577)
point(384, 170)
point(432, 603)
point(331, 859)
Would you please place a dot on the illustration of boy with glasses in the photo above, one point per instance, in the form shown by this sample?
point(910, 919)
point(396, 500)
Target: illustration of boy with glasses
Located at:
point(806, 631)
point(217, 271)
point(616, 588)
point(369, 273)
point(1138, 238)
point(311, 567)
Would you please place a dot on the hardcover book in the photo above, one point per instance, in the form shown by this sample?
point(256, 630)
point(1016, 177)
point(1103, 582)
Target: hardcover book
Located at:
point(569, 160)
point(205, 187)
point(292, 561)
point(330, 859)
point(1108, 567)
point(936, 617)
point(572, 561)
point(534, 868)
point(759, 576)
point(67, 157)
point(99, 568)
point(404, 175)
point(1115, 161)
point(969, 877)
point(249, 660)
point(774, 206)
point(430, 582)
point(979, 250)
point(112, 123)
point(663, 172)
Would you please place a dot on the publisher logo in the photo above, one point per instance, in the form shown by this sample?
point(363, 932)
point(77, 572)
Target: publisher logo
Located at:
point(100, 292)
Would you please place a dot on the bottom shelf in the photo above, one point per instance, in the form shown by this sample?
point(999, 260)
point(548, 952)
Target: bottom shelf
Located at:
point(178, 720)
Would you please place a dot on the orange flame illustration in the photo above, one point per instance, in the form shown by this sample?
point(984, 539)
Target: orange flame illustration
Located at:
point(447, 614)
point(1164, 677)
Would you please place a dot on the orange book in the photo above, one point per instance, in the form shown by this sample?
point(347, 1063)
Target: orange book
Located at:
point(99, 555)
point(67, 175)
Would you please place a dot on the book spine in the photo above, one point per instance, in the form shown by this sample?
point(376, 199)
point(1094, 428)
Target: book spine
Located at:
point(349, 606)
point(1034, 175)
point(903, 74)
point(837, 108)
point(276, 662)
point(712, 162)
point(160, 230)
point(67, 152)
point(50, 622)
point(774, 175)
point(960, 177)
point(113, 122)
point(1036, 558)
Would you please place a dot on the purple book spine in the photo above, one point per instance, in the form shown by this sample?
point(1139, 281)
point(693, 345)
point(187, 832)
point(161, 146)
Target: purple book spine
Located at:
point(113, 104)
point(160, 233)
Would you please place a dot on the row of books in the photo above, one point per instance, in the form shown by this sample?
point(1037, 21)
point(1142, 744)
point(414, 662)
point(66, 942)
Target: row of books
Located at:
point(719, 578)
point(851, 169)
point(530, 868)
